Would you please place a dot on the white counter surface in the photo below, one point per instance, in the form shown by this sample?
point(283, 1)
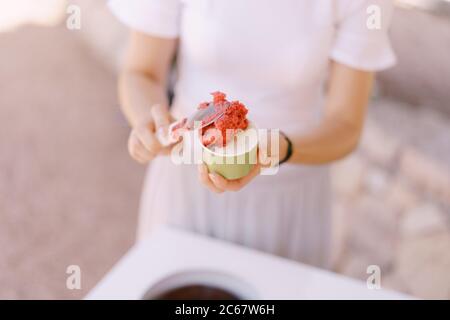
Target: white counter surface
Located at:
point(169, 251)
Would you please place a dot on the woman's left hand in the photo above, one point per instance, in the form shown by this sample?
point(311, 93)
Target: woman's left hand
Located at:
point(219, 184)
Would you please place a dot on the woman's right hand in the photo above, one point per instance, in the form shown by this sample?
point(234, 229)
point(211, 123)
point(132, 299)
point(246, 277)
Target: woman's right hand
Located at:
point(143, 143)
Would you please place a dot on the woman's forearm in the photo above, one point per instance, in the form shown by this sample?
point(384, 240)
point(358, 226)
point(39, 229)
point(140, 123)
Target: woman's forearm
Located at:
point(333, 139)
point(143, 81)
point(338, 133)
point(137, 93)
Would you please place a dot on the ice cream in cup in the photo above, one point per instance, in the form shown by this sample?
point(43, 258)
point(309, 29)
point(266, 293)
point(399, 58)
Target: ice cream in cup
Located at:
point(230, 144)
point(237, 158)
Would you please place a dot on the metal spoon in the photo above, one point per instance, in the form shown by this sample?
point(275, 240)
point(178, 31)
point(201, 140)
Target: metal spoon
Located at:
point(164, 134)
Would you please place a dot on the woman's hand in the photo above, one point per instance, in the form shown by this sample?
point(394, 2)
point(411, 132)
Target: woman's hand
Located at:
point(143, 144)
point(270, 157)
point(143, 83)
point(219, 184)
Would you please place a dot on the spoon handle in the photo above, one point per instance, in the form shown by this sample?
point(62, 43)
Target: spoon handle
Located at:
point(170, 134)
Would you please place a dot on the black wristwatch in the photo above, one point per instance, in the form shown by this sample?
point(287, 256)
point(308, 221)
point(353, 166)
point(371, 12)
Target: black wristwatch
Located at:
point(289, 149)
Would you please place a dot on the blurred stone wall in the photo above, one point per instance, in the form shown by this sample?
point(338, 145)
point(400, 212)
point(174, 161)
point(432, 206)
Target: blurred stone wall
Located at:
point(392, 200)
point(421, 41)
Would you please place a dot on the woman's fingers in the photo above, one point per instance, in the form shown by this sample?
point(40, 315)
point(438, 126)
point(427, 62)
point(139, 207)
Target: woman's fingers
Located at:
point(160, 116)
point(204, 178)
point(141, 156)
point(148, 138)
point(264, 158)
point(268, 148)
point(137, 149)
point(233, 185)
point(162, 120)
point(143, 144)
point(220, 182)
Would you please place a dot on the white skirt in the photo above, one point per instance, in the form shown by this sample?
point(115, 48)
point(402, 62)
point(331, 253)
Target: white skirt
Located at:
point(287, 214)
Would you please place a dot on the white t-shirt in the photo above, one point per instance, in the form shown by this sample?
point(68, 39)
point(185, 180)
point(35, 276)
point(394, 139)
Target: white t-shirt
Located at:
point(271, 55)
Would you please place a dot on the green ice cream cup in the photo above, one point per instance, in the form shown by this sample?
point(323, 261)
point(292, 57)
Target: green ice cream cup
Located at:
point(236, 159)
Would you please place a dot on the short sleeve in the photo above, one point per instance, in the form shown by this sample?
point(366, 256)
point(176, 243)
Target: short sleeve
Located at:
point(160, 18)
point(361, 40)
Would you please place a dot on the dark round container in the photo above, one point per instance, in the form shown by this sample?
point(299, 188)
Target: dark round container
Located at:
point(200, 285)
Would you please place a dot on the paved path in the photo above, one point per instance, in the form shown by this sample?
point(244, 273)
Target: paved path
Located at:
point(68, 190)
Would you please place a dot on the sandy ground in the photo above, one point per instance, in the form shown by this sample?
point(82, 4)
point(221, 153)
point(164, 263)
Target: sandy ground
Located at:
point(68, 190)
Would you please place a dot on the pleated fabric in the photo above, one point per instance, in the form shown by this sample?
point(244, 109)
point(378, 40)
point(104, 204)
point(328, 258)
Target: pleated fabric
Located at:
point(287, 214)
